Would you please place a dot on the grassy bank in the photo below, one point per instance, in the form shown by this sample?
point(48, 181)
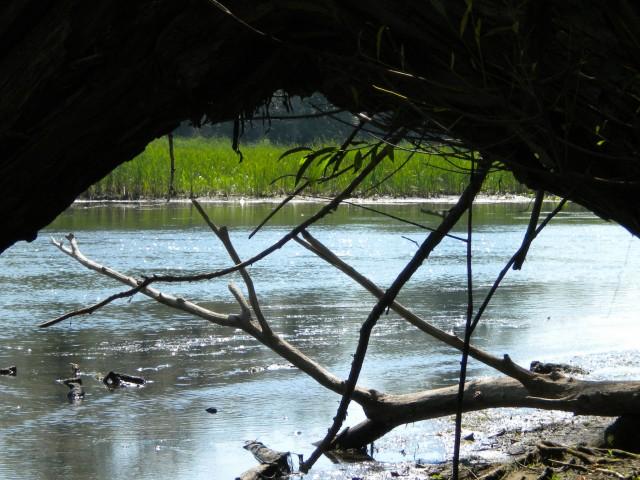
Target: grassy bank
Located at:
point(209, 167)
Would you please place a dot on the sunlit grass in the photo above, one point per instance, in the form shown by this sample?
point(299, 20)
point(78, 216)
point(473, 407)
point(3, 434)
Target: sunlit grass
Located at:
point(210, 168)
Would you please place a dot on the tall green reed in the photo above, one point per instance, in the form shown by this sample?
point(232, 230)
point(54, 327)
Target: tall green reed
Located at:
point(209, 167)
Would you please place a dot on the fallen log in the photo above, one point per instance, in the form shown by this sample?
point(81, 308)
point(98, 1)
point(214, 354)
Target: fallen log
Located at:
point(554, 392)
point(115, 380)
point(11, 371)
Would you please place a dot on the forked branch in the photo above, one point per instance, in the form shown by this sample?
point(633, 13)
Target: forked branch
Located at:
point(243, 321)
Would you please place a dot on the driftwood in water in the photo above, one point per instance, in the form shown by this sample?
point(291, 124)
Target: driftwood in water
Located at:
point(76, 392)
point(114, 380)
point(273, 464)
point(12, 371)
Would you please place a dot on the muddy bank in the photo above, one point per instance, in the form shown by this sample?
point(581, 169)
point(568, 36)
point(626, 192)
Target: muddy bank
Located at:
point(496, 442)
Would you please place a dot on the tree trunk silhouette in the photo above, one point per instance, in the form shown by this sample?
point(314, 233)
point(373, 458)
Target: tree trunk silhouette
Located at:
point(546, 89)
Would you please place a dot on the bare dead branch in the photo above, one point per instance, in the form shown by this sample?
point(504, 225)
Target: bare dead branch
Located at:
point(327, 209)
point(467, 341)
point(531, 229)
point(385, 411)
point(525, 246)
point(366, 397)
point(504, 365)
point(223, 235)
point(431, 242)
point(176, 302)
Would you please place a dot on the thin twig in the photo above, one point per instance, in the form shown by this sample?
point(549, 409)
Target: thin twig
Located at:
point(279, 206)
point(504, 365)
point(138, 286)
point(503, 272)
point(327, 209)
point(410, 240)
point(223, 235)
point(533, 223)
point(394, 217)
point(466, 199)
point(467, 340)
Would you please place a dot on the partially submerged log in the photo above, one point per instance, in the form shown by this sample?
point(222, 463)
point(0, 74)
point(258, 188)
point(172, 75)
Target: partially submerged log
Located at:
point(11, 371)
point(76, 391)
point(273, 464)
point(115, 380)
point(548, 392)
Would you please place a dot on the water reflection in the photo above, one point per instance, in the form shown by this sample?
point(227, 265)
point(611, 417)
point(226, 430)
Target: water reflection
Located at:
point(588, 287)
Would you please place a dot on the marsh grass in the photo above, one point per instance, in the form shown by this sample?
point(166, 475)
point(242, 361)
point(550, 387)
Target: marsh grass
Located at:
point(210, 168)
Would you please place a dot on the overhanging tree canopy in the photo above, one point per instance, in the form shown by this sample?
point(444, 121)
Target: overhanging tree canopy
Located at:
point(550, 90)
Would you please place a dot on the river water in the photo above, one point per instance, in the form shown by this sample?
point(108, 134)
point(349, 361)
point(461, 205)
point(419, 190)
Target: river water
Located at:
point(575, 301)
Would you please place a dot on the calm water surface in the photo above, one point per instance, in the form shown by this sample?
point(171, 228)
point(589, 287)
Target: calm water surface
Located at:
point(574, 301)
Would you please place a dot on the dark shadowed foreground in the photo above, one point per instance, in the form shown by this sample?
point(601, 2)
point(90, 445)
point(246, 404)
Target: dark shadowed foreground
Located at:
point(548, 90)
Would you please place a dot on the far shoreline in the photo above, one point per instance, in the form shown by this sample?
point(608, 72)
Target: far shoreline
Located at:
point(377, 200)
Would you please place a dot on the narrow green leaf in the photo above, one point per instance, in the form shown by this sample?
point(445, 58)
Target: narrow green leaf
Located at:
point(465, 17)
point(390, 152)
point(478, 31)
point(308, 159)
point(322, 151)
point(305, 164)
point(379, 40)
point(357, 161)
point(294, 150)
point(355, 95)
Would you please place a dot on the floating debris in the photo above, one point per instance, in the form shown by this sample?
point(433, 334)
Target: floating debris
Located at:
point(115, 380)
point(11, 371)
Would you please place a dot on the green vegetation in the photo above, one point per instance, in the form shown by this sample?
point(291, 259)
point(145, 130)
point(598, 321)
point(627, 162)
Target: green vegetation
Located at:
point(209, 167)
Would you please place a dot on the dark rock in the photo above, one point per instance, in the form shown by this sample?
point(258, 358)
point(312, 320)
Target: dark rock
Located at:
point(212, 410)
point(624, 434)
point(264, 454)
